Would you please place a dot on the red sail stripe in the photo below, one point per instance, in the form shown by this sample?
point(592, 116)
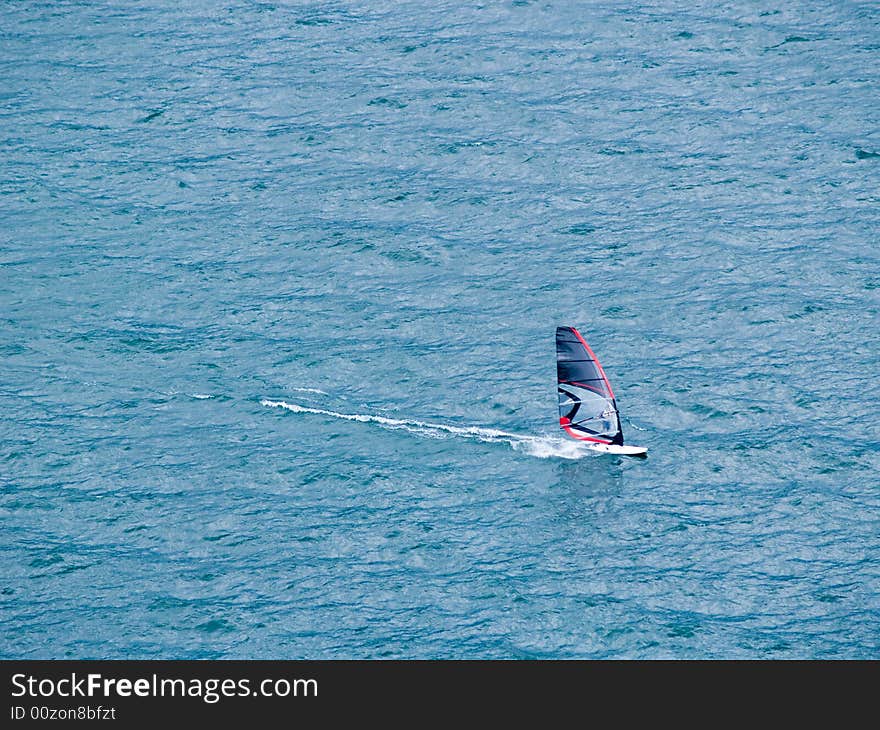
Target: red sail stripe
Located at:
point(565, 423)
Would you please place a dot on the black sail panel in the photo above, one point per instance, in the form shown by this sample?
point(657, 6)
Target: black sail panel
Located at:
point(576, 364)
point(587, 408)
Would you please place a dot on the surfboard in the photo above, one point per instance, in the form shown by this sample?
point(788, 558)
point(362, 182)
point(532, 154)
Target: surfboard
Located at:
point(587, 407)
point(620, 450)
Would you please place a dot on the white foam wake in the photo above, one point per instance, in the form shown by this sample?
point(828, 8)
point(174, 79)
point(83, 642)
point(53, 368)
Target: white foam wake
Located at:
point(541, 446)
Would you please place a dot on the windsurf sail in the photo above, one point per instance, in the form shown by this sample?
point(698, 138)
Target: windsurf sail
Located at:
point(587, 408)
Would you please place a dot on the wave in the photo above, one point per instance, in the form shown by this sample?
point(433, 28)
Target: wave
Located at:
point(543, 447)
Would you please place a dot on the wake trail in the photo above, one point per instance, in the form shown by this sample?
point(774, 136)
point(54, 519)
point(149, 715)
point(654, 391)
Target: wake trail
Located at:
point(541, 446)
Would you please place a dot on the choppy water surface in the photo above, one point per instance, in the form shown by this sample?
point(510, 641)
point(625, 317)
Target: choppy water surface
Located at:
point(278, 291)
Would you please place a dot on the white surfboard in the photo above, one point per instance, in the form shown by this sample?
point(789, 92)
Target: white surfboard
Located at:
point(587, 407)
point(620, 449)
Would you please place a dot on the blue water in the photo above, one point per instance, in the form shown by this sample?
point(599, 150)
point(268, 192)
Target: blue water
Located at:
point(278, 292)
